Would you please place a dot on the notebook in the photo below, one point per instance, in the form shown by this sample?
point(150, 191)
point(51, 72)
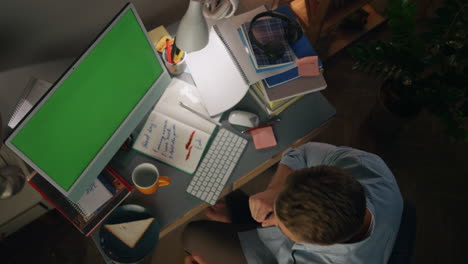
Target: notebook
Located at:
point(33, 91)
point(94, 197)
point(86, 215)
point(259, 88)
point(173, 134)
point(302, 48)
point(222, 71)
point(296, 87)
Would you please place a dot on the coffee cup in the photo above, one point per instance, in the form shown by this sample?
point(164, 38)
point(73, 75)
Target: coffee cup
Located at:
point(146, 178)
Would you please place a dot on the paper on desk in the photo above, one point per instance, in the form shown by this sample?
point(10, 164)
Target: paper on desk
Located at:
point(34, 90)
point(222, 71)
point(95, 196)
point(263, 137)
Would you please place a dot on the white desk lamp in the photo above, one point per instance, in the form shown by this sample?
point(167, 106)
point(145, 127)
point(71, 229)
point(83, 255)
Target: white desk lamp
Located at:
point(192, 34)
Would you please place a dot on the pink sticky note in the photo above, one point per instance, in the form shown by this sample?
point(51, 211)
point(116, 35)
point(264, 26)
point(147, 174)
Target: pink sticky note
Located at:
point(263, 137)
point(308, 66)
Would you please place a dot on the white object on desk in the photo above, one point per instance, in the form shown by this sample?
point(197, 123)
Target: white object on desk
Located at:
point(242, 118)
point(216, 76)
point(217, 166)
point(222, 71)
point(174, 134)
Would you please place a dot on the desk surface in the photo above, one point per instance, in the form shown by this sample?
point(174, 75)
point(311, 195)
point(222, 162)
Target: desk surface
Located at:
point(172, 205)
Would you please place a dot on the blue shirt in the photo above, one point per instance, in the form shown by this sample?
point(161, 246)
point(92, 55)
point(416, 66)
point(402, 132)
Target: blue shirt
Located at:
point(269, 245)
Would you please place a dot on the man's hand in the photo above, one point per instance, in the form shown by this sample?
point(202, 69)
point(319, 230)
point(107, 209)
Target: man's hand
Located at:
point(261, 206)
point(194, 260)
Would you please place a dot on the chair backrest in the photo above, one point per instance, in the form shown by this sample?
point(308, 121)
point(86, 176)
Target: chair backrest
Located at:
point(403, 249)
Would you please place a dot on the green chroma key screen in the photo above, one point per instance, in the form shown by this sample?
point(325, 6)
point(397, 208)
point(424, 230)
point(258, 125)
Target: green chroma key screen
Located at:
point(70, 128)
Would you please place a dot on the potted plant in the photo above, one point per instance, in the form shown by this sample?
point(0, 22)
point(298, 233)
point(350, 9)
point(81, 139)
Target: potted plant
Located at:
point(422, 70)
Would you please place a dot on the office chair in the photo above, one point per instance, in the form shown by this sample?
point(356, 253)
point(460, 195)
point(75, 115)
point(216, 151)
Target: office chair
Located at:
point(404, 245)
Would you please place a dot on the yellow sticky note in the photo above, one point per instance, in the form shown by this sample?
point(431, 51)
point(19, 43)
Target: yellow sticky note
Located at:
point(157, 33)
point(161, 45)
point(263, 137)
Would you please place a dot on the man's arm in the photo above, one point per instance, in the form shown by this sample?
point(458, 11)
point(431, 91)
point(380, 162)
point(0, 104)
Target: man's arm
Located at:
point(309, 154)
point(261, 204)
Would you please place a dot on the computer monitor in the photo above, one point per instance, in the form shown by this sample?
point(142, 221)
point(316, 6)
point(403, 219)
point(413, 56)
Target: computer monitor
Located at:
point(77, 127)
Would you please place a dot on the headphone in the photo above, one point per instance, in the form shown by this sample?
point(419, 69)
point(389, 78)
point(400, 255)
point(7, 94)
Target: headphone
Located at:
point(219, 9)
point(275, 49)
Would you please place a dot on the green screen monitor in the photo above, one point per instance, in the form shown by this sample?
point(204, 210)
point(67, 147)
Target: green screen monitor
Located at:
point(74, 131)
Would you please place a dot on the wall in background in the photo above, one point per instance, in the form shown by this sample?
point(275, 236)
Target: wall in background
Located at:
point(42, 38)
point(38, 31)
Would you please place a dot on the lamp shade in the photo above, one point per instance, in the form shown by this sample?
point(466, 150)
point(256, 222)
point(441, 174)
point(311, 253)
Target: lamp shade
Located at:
point(192, 34)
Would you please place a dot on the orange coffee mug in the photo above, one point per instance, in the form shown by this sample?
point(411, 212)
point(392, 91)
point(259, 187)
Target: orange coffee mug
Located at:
point(146, 178)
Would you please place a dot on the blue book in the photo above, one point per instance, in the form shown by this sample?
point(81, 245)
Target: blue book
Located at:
point(302, 48)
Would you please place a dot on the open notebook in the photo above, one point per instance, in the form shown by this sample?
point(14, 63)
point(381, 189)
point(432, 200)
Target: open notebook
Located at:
point(173, 134)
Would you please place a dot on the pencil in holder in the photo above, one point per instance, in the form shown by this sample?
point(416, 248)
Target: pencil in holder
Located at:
point(175, 68)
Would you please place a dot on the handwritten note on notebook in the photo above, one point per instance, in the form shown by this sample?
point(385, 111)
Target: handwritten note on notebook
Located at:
point(308, 66)
point(173, 134)
point(172, 142)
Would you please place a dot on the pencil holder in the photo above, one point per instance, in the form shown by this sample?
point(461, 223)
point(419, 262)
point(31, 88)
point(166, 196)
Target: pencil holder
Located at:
point(174, 68)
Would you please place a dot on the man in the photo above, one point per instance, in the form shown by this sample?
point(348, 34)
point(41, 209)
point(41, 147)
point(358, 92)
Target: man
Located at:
point(325, 204)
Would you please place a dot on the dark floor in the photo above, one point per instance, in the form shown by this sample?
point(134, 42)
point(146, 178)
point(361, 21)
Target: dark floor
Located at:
point(431, 172)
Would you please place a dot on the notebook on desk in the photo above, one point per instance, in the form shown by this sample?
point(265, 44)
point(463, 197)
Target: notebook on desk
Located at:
point(173, 134)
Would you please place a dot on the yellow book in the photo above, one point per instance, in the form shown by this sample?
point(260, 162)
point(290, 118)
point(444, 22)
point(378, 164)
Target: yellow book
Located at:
point(273, 106)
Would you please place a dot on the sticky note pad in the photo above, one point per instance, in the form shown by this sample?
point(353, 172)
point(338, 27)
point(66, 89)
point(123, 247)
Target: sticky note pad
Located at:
point(308, 66)
point(263, 137)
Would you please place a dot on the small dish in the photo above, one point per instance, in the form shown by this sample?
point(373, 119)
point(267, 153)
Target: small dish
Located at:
point(116, 249)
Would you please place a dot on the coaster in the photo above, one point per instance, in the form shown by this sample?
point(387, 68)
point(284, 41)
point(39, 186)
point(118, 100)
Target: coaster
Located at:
point(308, 66)
point(263, 137)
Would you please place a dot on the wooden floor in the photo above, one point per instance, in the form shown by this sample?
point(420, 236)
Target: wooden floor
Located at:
point(431, 172)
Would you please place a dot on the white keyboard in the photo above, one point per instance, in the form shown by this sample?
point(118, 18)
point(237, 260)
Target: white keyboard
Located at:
point(217, 165)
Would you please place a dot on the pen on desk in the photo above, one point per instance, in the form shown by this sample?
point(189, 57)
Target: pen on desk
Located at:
point(261, 126)
point(199, 114)
point(168, 51)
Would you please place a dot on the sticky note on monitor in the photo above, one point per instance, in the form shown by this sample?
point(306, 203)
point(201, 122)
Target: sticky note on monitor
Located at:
point(264, 137)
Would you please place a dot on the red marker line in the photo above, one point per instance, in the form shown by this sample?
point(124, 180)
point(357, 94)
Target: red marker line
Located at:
point(189, 142)
point(188, 153)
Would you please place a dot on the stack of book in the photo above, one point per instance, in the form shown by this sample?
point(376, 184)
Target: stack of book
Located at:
point(275, 93)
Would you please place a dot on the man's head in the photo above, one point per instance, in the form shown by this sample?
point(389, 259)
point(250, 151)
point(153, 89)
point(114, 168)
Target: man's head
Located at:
point(321, 205)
